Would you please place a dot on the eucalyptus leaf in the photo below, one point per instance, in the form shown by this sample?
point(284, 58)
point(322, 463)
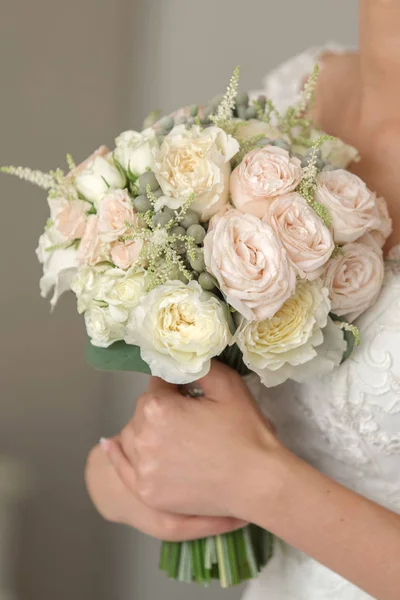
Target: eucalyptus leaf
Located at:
point(118, 357)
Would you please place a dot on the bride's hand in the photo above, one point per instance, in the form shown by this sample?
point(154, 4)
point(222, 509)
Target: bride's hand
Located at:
point(118, 501)
point(358, 99)
point(194, 456)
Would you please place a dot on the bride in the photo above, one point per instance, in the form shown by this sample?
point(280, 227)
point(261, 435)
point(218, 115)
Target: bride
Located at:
point(322, 472)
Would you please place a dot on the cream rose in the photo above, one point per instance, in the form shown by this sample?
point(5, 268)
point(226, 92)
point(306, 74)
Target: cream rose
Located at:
point(179, 328)
point(351, 205)
point(134, 151)
point(308, 242)
point(96, 177)
point(92, 249)
point(195, 161)
point(250, 264)
point(115, 213)
point(60, 264)
point(69, 217)
point(299, 342)
point(126, 254)
point(354, 280)
point(263, 174)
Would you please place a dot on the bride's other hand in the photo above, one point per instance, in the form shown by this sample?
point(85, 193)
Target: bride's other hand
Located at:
point(195, 456)
point(358, 98)
point(117, 501)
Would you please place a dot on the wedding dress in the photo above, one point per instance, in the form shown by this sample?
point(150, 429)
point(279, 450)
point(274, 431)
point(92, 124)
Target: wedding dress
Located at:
point(347, 424)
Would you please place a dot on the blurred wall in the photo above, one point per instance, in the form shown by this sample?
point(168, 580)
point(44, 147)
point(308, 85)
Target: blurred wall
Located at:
point(64, 77)
point(184, 52)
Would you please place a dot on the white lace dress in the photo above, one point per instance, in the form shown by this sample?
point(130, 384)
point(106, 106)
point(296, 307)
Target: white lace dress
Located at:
point(347, 424)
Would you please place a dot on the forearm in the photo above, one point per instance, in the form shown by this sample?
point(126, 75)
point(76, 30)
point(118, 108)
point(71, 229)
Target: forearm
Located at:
point(351, 535)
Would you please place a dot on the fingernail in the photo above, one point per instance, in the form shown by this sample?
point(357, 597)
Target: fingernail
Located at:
point(105, 444)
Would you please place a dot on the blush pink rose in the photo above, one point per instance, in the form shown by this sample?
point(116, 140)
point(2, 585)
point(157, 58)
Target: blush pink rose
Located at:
point(126, 254)
point(115, 213)
point(69, 217)
point(250, 265)
point(92, 249)
point(354, 280)
point(308, 242)
point(383, 232)
point(351, 205)
point(102, 151)
point(264, 174)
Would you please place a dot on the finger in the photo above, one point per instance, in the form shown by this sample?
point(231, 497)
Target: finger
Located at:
point(379, 36)
point(220, 382)
point(159, 386)
point(119, 461)
point(192, 528)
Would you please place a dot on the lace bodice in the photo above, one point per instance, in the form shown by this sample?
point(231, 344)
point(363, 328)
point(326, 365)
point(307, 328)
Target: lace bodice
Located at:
point(346, 424)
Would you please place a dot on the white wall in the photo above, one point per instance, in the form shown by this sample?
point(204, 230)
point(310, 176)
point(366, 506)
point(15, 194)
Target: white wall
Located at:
point(184, 52)
point(64, 87)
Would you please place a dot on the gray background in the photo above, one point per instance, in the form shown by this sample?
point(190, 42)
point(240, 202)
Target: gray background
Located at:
point(73, 74)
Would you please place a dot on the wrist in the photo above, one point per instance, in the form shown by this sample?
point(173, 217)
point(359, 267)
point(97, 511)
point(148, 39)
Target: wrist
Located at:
point(264, 482)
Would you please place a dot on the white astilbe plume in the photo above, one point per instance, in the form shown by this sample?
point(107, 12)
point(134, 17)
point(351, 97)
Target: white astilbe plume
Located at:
point(225, 110)
point(43, 180)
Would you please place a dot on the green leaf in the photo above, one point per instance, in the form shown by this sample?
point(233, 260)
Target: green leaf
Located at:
point(118, 357)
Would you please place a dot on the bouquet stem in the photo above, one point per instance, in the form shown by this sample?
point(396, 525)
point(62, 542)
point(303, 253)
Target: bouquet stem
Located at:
point(230, 558)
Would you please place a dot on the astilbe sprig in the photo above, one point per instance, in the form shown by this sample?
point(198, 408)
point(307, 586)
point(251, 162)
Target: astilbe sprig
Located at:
point(308, 183)
point(224, 113)
point(163, 250)
point(297, 122)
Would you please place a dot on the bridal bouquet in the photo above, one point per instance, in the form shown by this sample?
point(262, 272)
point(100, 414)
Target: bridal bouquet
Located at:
point(225, 231)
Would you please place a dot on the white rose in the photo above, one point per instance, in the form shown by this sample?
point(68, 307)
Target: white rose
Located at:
point(134, 151)
point(308, 242)
point(59, 264)
point(291, 344)
point(354, 279)
point(255, 127)
point(179, 328)
point(105, 285)
point(338, 153)
point(250, 264)
point(351, 205)
point(195, 161)
point(383, 232)
point(98, 177)
point(102, 327)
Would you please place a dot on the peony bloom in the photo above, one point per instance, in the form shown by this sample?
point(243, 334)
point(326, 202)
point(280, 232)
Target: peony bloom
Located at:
point(299, 342)
point(97, 176)
point(179, 328)
point(308, 242)
point(134, 151)
point(92, 249)
point(115, 213)
point(195, 161)
point(250, 264)
point(354, 280)
point(351, 205)
point(264, 174)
